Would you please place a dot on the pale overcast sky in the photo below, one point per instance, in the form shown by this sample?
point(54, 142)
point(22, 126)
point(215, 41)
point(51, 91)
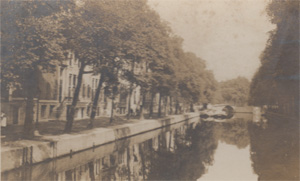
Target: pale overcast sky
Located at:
point(228, 34)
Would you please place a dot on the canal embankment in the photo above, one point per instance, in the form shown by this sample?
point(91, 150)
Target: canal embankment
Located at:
point(244, 109)
point(275, 115)
point(26, 152)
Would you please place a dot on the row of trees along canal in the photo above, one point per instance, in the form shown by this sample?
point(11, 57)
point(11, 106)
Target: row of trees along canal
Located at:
point(109, 36)
point(276, 83)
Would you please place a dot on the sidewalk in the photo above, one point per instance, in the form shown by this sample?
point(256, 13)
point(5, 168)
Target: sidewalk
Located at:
point(56, 127)
point(22, 152)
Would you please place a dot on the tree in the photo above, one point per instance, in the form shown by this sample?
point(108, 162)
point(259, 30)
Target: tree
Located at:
point(32, 41)
point(143, 44)
point(195, 84)
point(81, 41)
point(110, 41)
point(111, 90)
point(91, 30)
point(235, 91)
point(277, 80)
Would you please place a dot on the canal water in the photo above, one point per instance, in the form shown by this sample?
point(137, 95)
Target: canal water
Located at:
point(238, 149)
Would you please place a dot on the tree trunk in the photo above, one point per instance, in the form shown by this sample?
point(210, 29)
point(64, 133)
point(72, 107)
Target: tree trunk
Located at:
point(70, 116)
point(191, 107)
point(143, 105)
point(166, 105)
point(128, 164)
point(143, 161)
point(130, 92)
point(28, 124)
point(159, 105)
point(91, 170)
point(112, 109)
point(171, 106)
point(96, 100)
point(151, 105)
point(176, 107)
point(30, 90)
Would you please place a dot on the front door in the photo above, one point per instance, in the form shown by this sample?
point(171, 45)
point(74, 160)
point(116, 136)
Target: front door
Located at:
point(15, 113)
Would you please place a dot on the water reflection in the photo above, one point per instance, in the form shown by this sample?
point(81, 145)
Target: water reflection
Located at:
point(230, 164)
point(232, 157)
point(275, 149)
point(193, 151)
point(185, 151)
point(234, 132)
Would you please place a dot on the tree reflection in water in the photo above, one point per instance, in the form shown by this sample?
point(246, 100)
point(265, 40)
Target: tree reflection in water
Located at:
point(234, 132)
point(182, 153)
point(275, 150)
point(193, 152)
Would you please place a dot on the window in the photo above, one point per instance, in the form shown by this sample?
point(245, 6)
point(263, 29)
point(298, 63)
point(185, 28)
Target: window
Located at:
point(112, 159)
point(121, 158)
point(82, 112)
point(134, 97)
point(89, 91)
point(43, 111)
point(105, 99)
point(105, 102)
point(98, 111)
point(88, 110)
point(93, 83)
point(74, 81)
point(101, 96)
point(69, 92)
point(83, 90)
point(60, 90)
point(70, 79)
point(98, 166)
point(15, 112)
point(51, 109)
point(61, 71)
point(70, 58)
point(76, 113)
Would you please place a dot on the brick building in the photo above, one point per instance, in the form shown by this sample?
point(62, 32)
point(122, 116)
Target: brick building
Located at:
point(55, 96)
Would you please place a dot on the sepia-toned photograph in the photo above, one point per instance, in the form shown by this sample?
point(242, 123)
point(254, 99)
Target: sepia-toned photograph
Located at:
point(192, 90)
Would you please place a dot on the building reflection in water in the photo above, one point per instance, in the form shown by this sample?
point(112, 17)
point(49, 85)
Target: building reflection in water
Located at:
point(170, 155)
point(193, 150)
point(180, 152)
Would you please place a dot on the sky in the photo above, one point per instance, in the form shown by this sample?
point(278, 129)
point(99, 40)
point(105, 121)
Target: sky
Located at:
point(229, 35)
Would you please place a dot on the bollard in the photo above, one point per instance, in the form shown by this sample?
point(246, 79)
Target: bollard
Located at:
point(23, 157)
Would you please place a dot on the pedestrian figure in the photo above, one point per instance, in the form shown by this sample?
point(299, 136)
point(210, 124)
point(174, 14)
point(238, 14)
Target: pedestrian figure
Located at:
point(3, 120)
point(131, 112)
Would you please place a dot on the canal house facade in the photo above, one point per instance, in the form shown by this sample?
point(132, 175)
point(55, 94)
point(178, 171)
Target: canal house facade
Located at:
point(56, 90)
